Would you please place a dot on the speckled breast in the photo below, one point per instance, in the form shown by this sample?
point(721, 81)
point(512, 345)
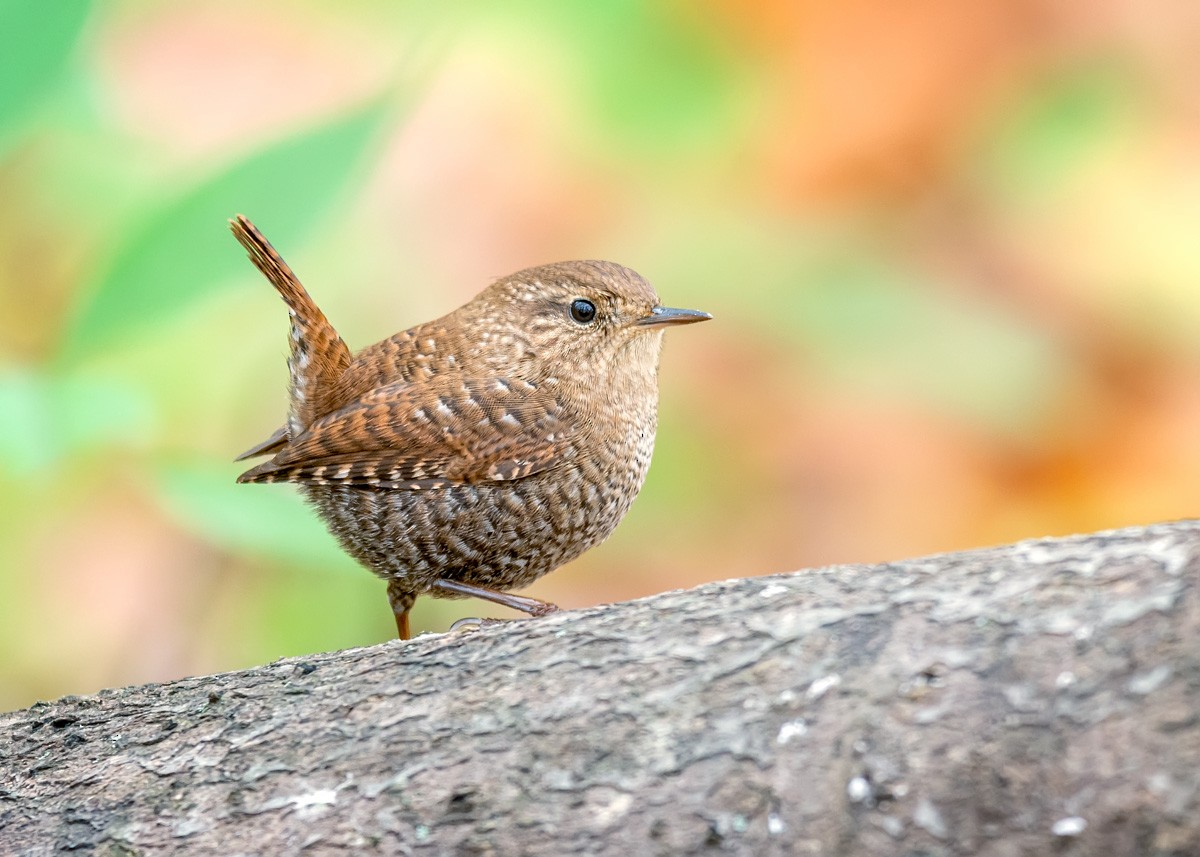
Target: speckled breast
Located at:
point(499, 535)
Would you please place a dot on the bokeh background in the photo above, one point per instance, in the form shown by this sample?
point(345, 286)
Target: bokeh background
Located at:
point(952, 249)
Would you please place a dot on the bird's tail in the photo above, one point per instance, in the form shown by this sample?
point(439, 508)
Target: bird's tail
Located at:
point(318, 355)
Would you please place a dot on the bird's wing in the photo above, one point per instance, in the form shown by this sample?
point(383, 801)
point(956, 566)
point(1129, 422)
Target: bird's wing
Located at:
point(272, 444)
point(452, 430)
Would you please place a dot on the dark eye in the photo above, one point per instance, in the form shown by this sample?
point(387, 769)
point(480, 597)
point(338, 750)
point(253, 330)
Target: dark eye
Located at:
point(583, 311)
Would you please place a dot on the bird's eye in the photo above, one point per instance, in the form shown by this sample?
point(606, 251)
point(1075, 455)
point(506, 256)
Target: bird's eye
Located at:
point(583, 311)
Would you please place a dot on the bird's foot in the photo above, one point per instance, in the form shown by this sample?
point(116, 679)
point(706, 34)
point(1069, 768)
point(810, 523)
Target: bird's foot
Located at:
point(471, 623)
point(542, 608)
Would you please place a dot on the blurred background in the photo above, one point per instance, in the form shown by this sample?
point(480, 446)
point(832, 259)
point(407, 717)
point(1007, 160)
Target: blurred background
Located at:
point(952, 249)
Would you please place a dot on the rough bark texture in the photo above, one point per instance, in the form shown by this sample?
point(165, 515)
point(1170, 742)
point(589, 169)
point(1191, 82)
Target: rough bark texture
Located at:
point(1039, 698)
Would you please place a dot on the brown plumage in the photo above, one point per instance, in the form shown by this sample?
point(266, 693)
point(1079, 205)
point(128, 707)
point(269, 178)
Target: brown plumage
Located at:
point(472, 454)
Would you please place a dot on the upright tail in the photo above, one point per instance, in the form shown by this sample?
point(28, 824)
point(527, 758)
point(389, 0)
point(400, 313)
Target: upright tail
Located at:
point(318, 355)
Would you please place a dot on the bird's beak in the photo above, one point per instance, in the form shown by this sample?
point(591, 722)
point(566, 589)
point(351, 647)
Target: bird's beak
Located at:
point(662, 315)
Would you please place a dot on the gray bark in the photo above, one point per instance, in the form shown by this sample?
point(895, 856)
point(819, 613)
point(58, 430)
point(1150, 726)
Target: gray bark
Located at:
point(1039, 698)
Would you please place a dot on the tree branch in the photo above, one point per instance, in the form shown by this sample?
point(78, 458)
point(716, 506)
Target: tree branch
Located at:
point(1042, 697)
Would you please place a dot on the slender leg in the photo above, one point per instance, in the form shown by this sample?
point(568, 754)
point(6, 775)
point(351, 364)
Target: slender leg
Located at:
point(401, 600)
point(532, 606)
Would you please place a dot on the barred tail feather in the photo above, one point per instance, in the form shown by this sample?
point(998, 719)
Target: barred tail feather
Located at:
point(318, 355)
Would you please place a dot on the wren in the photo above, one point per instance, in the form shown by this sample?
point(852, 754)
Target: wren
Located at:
point(473, 454)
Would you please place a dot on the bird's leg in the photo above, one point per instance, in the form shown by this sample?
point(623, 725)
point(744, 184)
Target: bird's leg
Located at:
point(532, 606)
point(402, 601)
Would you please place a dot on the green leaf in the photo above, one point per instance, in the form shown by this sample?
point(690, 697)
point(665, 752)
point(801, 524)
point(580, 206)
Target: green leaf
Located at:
point(36, 40)
point(656, 78)
point(1049, 136)
point(27, 443)
point(652, 74)
point(43, 419)
point(881, 328)
point(869, 322)
point(184, 251)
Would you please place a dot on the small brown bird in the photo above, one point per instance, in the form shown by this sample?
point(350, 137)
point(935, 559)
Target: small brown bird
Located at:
point(472, 454)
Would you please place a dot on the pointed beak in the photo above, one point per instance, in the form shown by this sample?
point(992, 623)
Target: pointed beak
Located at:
point(661, 316)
